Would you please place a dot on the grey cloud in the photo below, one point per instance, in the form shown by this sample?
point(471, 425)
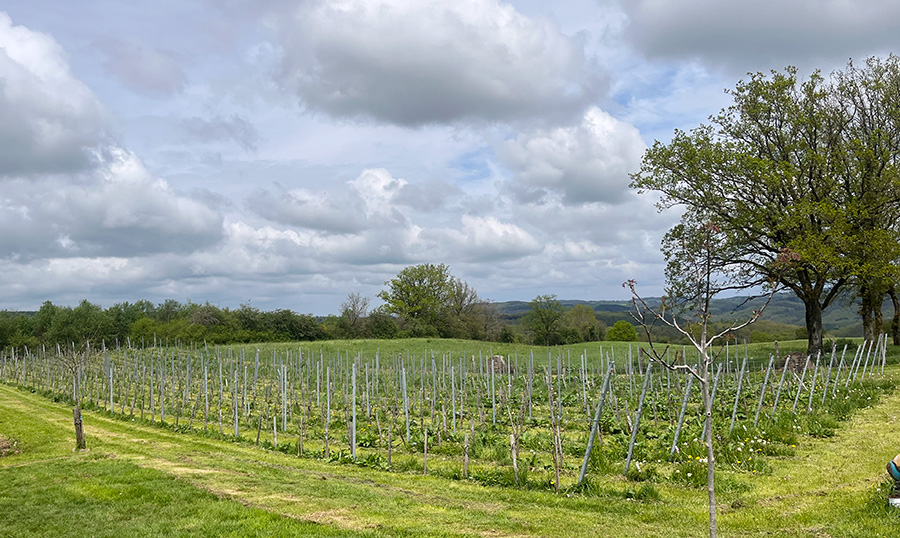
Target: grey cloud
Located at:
point(767, 34)
point(236, 128)
point(51, 121)
point(418, 63)
point(368, 204)
point(305, 209)
point(427, 196)
point(118, 210)
point(145, 70)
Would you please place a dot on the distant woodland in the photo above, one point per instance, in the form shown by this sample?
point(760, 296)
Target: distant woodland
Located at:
point(143, 322)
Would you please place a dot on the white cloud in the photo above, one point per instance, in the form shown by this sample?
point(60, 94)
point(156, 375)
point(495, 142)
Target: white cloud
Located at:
point(588, 162)
point(483, 239)
point(378, 189)
point(416, 62)
point(50, 120)
point(369, 201)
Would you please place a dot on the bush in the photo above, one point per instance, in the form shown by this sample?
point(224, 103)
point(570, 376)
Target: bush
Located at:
point(622, 331)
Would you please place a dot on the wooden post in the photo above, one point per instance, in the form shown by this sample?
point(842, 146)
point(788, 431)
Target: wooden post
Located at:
point(79, 428)
point(465, 471)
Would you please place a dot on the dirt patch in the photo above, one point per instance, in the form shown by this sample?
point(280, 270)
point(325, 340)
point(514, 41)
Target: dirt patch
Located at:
point(340, 517)
point(8, 447)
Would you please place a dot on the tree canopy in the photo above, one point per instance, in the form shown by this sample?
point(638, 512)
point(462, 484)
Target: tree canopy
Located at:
point(798, 176)
point(622, 331)
point(543, 318)
point(429, 301)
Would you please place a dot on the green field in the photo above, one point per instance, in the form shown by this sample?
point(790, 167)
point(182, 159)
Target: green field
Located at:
point(142, 479)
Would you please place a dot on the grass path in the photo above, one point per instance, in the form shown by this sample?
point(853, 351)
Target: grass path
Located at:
point(193, 484)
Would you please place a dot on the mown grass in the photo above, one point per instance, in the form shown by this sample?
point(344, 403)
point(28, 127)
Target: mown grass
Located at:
point(102, 497)
point(145, 480)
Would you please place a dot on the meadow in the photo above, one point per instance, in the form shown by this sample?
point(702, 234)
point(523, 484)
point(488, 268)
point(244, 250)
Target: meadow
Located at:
point(433, 437)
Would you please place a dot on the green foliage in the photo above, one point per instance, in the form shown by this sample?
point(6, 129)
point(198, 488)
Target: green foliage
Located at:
point(580, 324)
point(419, 294)
point(622, 331)
point(543, 319)
point(381, 325)
point(430, 302)
point(798, 178)
point(169, 321)
point(760, 336)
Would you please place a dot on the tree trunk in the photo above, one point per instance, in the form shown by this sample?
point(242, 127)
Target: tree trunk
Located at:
point(865, 311)
point(878, 318)
point(705, 361)
point(813, 326)
point(895, 320)
point(79, 428)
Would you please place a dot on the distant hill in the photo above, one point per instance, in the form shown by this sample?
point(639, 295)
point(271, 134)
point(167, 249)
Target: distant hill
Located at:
point(840, 318)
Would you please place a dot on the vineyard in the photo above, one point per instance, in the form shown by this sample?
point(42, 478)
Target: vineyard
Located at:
point(535, 418)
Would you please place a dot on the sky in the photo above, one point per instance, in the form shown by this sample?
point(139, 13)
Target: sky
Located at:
point(286, 153)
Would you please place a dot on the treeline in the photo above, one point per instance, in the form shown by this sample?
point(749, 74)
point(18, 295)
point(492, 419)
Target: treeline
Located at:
point(143, 321)
point(421, 301)
point(546, 323)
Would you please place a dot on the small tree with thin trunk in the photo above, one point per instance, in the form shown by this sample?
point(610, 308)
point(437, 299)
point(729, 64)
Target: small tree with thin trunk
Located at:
point(696, 272)
point(74, 361)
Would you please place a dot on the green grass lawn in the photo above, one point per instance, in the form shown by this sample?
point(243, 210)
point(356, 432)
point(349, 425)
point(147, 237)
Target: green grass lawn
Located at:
point(141, 480)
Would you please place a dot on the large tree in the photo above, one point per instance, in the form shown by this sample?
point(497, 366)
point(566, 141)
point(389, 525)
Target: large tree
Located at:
point(429, 301)
point(870, 106)
point(543, 318)
point(782, 174)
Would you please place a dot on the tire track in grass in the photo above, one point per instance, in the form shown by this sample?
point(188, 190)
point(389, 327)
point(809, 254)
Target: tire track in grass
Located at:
point(827, 487)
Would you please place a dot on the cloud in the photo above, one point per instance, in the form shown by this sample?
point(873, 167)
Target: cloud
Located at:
point(51, 121)
point(117, 210)
point(145, 70)
point(508, 175)
point(418, 62)
point(588, 162)
point(485, 239)
point(218, 129)
point(303, 208)
point(368, 201)
point(429, 195)
point(762, 35)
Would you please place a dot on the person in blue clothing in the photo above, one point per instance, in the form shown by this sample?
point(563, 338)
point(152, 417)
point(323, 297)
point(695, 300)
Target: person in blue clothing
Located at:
point(893, 469)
